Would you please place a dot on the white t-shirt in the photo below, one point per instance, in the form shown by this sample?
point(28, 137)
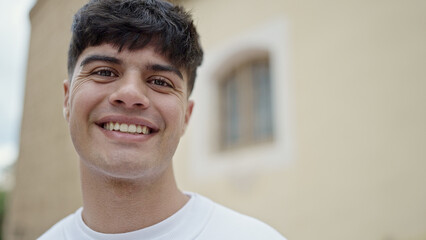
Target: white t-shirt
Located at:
point(200, 218)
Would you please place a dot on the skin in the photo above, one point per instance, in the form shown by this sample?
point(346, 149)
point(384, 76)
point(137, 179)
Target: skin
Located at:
point(127, 179)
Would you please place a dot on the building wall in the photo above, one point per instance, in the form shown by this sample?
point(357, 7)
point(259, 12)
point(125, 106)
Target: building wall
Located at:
point(47, 184)
point(355, 100)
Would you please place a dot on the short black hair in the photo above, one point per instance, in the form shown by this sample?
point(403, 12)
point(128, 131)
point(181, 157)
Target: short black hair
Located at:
point(133, 24)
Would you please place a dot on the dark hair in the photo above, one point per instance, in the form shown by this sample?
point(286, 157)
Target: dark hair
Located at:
point(133, 24)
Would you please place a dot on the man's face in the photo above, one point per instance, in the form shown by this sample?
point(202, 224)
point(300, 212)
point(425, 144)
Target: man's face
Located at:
point(126, 110)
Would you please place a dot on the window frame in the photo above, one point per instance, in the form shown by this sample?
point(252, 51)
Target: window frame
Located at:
point(205, 160)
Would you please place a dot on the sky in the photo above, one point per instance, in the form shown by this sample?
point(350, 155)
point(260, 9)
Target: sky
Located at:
point(14, 41)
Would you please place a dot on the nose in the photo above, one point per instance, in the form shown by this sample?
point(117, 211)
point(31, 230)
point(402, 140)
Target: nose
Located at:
point(130, 92)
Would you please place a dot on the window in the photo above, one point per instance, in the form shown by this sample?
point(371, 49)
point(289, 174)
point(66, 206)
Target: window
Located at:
point(242, 122)
point(245, 104)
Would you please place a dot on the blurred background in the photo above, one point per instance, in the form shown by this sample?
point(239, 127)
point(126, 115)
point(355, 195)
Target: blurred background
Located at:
point(309, 115)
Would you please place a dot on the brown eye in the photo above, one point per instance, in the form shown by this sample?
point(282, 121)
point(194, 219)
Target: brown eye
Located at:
point(161, 82)
point(105, 73)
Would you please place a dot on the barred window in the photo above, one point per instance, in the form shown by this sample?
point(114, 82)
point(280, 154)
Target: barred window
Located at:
point(246, 104)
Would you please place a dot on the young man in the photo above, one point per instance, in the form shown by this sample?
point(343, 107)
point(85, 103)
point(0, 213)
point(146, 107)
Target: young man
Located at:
point(132, 66)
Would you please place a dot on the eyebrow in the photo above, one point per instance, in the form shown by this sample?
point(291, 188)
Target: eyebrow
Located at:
point(165, 68)
point(94, 58)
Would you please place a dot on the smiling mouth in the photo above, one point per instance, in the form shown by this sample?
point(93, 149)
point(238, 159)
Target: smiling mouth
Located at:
point(127, 128)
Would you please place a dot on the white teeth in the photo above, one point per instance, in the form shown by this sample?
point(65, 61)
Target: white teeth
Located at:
point(145, 130)
point(123, 127)
point(132, 128)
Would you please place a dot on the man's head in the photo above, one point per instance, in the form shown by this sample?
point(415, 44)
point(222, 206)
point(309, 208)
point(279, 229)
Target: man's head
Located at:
point(132, 66)
point(133, 24)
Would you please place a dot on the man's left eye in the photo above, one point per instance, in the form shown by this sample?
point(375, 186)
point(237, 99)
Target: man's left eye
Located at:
point(161, 82)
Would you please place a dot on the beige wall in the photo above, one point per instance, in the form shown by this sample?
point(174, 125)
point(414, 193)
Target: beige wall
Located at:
point(47, 186)
point(358, 81)
point(357, 77)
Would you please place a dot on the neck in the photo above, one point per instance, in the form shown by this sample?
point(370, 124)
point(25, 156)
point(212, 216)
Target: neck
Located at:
point(114, 205)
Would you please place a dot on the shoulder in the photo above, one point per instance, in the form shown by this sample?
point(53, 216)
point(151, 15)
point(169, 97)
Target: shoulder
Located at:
point(58, 231)
point(225, 223)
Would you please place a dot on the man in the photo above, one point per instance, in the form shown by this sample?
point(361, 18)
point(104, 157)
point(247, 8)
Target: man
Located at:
point(132, 67)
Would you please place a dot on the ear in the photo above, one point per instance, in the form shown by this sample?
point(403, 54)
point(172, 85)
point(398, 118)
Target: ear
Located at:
point(188, 114)
point(66, 107)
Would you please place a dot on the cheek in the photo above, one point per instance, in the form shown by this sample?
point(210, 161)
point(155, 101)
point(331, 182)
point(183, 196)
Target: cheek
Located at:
point(84, 97)
point(173, 111)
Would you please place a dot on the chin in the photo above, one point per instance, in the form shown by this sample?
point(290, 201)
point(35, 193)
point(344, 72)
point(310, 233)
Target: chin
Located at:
point(122, 168)
point(147, 175)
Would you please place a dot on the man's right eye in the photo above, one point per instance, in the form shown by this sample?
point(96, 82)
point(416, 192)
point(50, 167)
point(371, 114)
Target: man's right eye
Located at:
point(105, 73)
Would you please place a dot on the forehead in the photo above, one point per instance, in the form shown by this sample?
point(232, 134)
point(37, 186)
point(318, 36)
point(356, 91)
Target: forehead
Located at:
point(148, 53)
